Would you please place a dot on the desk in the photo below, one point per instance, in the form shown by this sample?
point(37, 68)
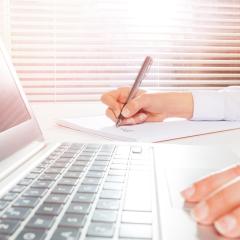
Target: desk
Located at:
point(48, 113)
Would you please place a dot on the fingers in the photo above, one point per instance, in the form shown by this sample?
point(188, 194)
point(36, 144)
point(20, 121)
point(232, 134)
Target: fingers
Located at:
point(218, 204)
point(219, 201)
point(135, 105)
point(229, 225)
point(155, 118)
point(136, 119)
point(204, 187)
point(116, 98)
point(111, 100)
point(109, 113)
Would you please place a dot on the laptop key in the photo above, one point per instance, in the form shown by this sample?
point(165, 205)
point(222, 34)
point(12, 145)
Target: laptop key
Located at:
point(16, 213)
point(113, 186)
point(101, 163)
point(35, 192)
point(60, 165)
point(114, 172)
point(64, 160)
point(9, 196)
point(80, 163)
point(136, 231)
point(98, 168)
point(101, 230)
point(4, 237)
point(37, 170)
point(111, 194)
point(53, 170)
point(43, 165)
point(91, 181)
point(95, 174)
point(78, 169)
point(25, 182)
point(85, 157)
point(84, 197)
point(117, 166)
point(56, 198)
point(63, 233)
point(108, 204)
point(8, 227)
point(104, 216)
point(32, 234)
point(73, 220)
point(32, 176)
point(49, 209)
point(79, 208)
point(120, 161)
point(103, 158)
point(136, 149)
point(93, 146)
point(68, 155)
point(3, 204)
point(63, 189)
point(42, 184)
point(42, 222)
point(117, 179)
point(88, 189)
point(69, 174)
point(28, 202)
point(51, 177)
point(68, 181)
point(18, 189)
point(136, 217)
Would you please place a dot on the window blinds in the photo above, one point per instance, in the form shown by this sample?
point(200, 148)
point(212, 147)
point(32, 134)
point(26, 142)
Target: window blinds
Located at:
point(74, 50)
point(4, 25)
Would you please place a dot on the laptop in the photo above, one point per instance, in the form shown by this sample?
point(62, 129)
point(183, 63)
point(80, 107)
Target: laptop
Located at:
point(92, 191)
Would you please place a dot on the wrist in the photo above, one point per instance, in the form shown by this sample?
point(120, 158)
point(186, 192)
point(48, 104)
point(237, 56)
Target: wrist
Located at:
point(179, 105)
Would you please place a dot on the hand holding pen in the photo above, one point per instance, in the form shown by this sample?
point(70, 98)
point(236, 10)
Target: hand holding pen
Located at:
point(145, 67)
point(139, 106)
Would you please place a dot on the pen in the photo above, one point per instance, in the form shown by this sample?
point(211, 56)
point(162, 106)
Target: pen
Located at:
point(141, 74)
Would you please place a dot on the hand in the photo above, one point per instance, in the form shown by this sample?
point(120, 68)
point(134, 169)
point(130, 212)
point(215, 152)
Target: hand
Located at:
point(147, 107)
point(218, 201)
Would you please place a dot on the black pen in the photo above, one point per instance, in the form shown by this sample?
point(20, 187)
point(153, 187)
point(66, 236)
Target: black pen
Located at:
point(141, 74)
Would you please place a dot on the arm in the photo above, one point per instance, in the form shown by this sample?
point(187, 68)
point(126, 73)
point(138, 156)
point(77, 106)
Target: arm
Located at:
point(148, 107)
point(153, 107)
point(217, 105)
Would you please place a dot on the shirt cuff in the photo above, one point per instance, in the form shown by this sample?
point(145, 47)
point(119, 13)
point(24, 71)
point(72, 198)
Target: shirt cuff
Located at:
point(208, 105)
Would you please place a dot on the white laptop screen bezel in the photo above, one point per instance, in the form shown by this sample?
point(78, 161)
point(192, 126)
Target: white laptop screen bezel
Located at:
point(18, 137)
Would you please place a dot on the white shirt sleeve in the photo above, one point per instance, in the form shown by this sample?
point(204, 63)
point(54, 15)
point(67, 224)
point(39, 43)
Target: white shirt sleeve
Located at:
point(217, 105)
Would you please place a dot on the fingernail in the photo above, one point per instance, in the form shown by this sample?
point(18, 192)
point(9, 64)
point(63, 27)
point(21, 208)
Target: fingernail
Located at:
point(130, 121)
point(226, 224)
point(125, 112)
point(200, 212)
point(188, 193)
point(142, 116)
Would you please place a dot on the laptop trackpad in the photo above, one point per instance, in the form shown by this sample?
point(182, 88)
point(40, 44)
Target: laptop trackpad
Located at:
point(180, 178)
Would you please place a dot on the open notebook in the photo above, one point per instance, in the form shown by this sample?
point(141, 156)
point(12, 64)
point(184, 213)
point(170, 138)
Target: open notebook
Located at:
point(146, 132)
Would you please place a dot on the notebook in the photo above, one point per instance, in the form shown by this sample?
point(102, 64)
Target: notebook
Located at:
point(147, 132)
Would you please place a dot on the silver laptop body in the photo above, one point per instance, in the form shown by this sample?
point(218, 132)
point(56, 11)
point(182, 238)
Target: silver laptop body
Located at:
point(96, 191)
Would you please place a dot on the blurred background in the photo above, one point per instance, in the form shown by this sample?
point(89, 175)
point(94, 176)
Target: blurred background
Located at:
point(74, 50)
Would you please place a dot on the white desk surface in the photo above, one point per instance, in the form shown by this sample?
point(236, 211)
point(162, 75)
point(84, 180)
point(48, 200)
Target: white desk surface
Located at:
point(48, 113)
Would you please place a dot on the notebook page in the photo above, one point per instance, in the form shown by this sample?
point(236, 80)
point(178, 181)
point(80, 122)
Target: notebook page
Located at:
point(147, 132)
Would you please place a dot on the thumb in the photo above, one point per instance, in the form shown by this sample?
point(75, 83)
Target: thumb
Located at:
point(134, 106)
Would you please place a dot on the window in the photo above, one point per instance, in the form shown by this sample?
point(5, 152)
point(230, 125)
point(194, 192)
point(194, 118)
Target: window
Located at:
point(74, 50)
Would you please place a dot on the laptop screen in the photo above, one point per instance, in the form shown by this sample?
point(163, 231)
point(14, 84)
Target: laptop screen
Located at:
point(12, 108)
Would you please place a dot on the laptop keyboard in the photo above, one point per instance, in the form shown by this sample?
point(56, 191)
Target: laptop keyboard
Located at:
point(83, 191)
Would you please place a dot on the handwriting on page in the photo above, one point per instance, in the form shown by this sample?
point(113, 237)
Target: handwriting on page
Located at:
point(126, 129)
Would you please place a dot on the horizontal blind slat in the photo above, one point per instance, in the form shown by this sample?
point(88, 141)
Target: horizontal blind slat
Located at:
point(76, 50)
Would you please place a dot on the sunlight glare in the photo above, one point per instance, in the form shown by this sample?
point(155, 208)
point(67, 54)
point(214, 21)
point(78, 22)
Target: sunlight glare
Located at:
point(152, 11)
